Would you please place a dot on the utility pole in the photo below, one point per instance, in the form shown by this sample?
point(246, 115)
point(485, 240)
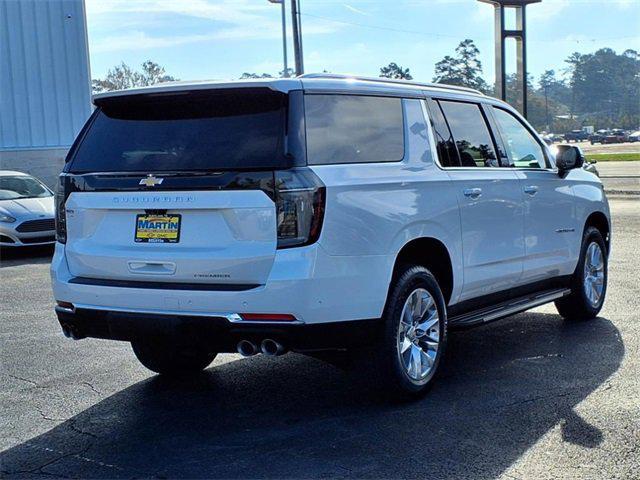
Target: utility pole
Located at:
point(284, 36)
point(520, 35)
point(297, 37)
point(546, 106)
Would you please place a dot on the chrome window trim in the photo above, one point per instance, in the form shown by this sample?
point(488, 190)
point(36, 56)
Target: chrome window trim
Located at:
point(436, 157)
point(432, 144)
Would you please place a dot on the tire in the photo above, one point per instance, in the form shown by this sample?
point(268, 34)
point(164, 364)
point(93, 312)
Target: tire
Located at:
point(169, 358)
point(589, 281)
point(399, 379)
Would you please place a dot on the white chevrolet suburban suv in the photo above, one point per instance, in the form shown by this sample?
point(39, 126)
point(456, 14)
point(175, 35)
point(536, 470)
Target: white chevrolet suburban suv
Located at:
point(318, 214)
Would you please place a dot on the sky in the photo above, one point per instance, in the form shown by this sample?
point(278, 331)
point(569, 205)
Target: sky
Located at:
point(221, 39)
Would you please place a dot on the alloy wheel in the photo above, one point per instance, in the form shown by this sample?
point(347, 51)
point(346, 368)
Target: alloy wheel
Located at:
point(594, 274)
point(418, 335)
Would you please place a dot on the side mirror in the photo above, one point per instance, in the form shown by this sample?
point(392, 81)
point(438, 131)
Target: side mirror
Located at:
point(568, 157)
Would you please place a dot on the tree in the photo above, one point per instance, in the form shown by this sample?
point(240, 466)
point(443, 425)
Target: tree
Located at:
point(542, 114)
point(393, 70)
point(448, 71)
point(556, 89)
point(246, 75)
point(290, 73)
point(547, 82)
point(123, 76)
point(605, 87)
point(281, 74)
point(470, 64)
point(465, 69)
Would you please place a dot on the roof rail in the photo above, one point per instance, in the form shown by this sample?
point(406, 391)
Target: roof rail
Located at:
point(399, 81)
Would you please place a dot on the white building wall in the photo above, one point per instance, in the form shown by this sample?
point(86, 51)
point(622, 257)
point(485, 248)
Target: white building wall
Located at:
point(45, 85)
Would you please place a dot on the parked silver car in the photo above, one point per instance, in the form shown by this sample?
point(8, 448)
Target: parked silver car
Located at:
point(26, 211)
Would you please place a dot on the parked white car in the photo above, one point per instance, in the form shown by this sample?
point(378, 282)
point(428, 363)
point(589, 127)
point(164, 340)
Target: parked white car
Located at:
point(27, 215)
point(320, 213)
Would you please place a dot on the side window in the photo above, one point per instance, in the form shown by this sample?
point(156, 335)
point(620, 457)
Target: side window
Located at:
point(523, 149)
point(470, 133)
point(353, 129)
point(447, 152)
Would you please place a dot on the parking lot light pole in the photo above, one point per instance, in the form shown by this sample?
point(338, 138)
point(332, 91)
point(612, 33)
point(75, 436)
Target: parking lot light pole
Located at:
point(284, 36)
point(297, 36)
point(520, 35)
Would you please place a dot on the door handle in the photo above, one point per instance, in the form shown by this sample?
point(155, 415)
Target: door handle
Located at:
point(472, 192)
point(531, 189)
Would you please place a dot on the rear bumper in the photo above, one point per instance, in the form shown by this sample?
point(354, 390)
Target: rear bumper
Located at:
point(215, 332)
point(304, 282)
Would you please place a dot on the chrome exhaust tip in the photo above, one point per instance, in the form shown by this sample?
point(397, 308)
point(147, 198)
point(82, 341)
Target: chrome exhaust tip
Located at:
point(246, 348)
point(69, 332)
point(271, 347)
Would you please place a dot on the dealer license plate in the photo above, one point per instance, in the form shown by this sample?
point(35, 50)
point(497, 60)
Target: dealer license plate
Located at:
point(157, 228)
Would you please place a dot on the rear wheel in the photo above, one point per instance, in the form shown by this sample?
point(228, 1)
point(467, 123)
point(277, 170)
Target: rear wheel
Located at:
point(589, 282)
point(415, 333)
point(170, 358)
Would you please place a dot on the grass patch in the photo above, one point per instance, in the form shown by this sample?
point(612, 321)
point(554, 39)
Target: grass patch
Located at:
point(614, 157)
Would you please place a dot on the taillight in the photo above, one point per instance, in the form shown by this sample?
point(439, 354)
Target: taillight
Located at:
point(300, 201)
point(61, 214)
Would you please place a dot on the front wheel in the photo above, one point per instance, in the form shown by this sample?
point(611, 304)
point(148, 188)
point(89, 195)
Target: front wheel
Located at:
point(414, 335)
point(170, 358)
point(589, 282)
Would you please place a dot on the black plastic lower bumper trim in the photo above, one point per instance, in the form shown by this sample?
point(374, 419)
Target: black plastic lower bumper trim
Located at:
point(216, 332)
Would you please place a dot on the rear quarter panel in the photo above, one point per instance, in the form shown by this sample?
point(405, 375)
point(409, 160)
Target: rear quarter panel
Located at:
point(374, 209)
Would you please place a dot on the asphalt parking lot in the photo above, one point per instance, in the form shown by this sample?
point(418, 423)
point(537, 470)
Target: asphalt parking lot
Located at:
point(620, 177)
point(530, 396)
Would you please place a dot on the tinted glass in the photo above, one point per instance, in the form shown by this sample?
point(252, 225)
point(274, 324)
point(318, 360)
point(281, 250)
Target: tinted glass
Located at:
point(471, 134)
point(353, 129)
point(206, 131)
point(447, 152)
point(522, 148)
point(12, 188)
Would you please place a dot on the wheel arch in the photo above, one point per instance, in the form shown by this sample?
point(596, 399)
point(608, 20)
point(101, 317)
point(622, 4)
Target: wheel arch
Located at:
point(600, 221)
point(432, 254)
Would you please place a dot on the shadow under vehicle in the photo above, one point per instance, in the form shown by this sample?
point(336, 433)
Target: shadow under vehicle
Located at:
point(11, 257)
point(504, 387)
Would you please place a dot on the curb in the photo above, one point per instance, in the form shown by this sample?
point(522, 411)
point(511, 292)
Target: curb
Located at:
point(626, 193)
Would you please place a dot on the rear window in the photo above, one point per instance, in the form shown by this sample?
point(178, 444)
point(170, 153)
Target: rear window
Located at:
point(353, 129)
point(192, 131)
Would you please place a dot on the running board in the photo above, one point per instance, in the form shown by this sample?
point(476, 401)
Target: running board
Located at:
point(504, 309)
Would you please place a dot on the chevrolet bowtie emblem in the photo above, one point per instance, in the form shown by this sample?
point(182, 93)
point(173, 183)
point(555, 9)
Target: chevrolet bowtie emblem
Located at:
point(151, 181)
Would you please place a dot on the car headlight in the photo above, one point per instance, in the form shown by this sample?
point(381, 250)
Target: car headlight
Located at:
point(6, 218)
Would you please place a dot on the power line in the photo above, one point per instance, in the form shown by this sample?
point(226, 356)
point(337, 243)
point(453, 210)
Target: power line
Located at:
point(379, 27)
point(442, 35)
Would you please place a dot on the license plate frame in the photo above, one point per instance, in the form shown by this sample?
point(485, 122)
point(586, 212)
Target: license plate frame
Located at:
point(159, 234)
